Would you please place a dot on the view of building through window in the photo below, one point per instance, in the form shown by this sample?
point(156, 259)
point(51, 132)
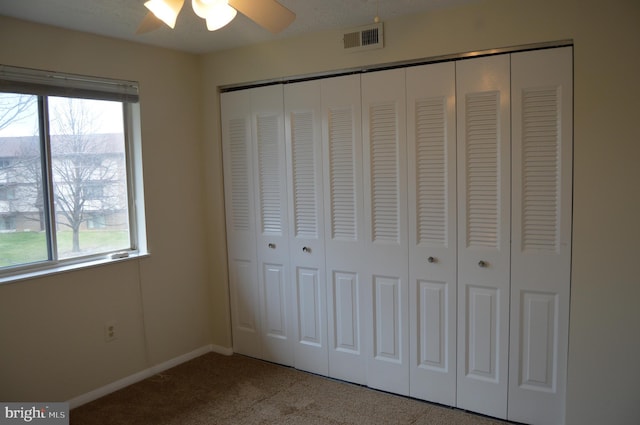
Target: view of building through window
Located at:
point(63, 178)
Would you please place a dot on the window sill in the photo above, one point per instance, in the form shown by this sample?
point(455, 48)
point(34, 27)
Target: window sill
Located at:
point(37, 272)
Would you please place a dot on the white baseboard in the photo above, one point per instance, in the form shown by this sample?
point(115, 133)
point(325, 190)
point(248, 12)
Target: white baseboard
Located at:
point(226, 351)
point(144, 374)
point(180, 359)
point(108, 389)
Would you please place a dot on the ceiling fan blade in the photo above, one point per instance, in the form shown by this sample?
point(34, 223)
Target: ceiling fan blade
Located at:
point(269, 14)
point(149, 23)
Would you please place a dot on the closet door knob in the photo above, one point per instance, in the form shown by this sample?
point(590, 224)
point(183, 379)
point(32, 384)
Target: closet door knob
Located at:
point(306, 249)
point(272, 246)
point(482, 263)
point(431, 260)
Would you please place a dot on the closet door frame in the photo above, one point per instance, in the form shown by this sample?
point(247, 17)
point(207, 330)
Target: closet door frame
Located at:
point(478, 320)
point(237, 150)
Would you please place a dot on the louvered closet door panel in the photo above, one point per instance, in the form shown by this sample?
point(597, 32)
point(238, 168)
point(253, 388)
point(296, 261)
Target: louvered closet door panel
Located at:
point(303, 122)
point(272, 223)
point(344, 227)
point(386, 250)
point(241, 234)
point(541, 231)
point(483, 123)
point(431, 145)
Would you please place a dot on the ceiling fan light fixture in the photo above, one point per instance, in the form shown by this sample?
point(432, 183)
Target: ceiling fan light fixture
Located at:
point(201, 7)
point(269, 14)
point(221, 17)
point(217, 13)
point(165, 10)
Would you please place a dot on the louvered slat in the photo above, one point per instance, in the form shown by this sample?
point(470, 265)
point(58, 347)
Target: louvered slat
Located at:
point(304, 173)
point(269, 169)
point(342, 178)
point(384, 173)
point(540, 165)
point(431, 171)
point(482, 171)
point(240, 193)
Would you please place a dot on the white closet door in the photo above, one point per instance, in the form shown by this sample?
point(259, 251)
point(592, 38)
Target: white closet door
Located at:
point(431, 145)
point(483, 233)
point(344, 227)
point(385, 255)
point(541, 221)
point(241, 234)
point(303, 119)
point(271, 222)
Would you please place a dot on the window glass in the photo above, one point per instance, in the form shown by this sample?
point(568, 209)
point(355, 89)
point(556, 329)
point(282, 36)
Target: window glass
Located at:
point(23, 226)
point(89, 176)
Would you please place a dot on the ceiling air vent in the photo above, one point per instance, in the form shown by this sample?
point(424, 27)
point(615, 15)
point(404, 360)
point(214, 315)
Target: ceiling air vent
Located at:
point(364, 38)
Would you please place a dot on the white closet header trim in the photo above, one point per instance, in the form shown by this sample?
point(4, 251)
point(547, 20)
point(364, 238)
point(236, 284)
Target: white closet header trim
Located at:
point(401, 64)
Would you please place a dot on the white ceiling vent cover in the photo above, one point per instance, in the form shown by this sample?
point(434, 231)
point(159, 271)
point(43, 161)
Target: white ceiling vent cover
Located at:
point(367, 37)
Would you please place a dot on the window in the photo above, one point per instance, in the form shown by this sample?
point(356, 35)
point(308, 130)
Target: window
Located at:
point(7, 192)
point(69, 176)
point(7, 223)
point(97, 221)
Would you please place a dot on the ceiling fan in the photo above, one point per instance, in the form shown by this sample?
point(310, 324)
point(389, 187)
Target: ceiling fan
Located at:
point(269, 14)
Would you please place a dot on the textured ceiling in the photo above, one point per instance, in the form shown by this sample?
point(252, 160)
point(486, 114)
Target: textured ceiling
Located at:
point(120, 19)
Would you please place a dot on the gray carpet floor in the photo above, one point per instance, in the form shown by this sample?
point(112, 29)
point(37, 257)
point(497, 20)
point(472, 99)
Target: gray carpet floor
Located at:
point(216, 389)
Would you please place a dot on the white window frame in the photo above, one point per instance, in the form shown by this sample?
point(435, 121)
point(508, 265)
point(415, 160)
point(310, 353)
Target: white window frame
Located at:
point(47, 83)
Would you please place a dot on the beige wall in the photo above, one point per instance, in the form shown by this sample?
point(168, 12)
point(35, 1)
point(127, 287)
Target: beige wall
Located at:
point(51, 328)
point(604, 370)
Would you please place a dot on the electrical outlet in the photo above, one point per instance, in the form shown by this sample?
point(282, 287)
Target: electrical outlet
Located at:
point(110, 331)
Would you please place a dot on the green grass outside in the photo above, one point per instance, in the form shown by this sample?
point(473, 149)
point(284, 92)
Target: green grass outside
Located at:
point(28, 247)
